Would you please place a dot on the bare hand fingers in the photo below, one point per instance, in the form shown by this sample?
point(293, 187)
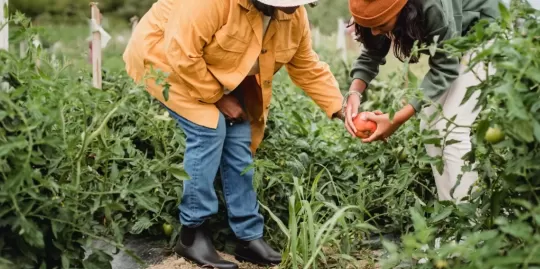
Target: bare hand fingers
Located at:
point(375, 136)
point(349, 129)
point(350, 120)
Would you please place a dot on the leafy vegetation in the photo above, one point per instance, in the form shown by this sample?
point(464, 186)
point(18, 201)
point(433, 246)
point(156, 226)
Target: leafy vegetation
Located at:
point(78, 164)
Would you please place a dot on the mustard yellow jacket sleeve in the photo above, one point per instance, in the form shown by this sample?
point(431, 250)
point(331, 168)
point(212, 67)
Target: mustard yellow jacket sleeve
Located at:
point(314, 76)
point(186, 33)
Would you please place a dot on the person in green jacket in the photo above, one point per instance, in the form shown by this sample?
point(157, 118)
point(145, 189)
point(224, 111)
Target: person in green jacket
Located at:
point(397, 24)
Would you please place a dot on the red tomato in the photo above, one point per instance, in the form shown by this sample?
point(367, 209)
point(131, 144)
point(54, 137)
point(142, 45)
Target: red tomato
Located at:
point(364, 128)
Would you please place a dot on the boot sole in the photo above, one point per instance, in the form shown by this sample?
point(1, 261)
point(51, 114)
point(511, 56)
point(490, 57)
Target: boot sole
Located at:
point(189, 259)
point(256, 262)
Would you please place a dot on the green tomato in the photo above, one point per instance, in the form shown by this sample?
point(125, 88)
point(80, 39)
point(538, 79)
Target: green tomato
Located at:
point(494, 135)
point(167, 229)
point(403, 155)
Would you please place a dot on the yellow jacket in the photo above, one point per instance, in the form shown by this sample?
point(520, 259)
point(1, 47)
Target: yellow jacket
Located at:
point(208, 45)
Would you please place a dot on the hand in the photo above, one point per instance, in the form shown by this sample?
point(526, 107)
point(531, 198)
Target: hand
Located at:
point(385, 127)
point(353, 104)
point(231, 108)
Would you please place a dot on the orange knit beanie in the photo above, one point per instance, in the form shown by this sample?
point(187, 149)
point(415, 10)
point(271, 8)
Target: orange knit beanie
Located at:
point(373, 13)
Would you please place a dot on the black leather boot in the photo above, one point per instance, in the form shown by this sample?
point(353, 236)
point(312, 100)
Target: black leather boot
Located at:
point(257, 252)
point(195, 245)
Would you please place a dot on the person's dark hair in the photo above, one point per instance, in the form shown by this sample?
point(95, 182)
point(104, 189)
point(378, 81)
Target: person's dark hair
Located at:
point(409, 28)
point(264, 8)
point(269, 10)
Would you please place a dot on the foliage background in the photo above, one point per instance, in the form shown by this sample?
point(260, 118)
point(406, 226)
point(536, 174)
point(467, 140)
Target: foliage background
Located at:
point(324, 15)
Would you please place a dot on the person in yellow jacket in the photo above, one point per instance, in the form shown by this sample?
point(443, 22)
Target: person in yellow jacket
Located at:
point(220, 57)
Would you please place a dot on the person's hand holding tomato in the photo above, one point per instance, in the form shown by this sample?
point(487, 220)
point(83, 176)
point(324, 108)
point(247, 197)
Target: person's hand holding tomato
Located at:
point(371, 126)
point(353, 105)
point(385, 126)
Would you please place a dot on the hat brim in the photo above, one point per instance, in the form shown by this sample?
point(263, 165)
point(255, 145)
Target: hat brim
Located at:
point(287, 3)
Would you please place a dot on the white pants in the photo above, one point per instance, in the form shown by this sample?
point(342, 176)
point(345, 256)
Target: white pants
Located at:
point(452, 154)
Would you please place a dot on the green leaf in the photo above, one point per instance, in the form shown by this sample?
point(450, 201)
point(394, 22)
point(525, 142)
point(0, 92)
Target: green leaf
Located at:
point(149, 203)
point(98, 260)
point(7, 148)
point(505, 15)
point(481, 130)
point(114, 171)
point(166, 91)
point(432, 141)
point(536, 125)
point(447, 211)
point(65, 261)
point(519, 230)
point(178, 172)
point(6, 263)
point(522, 130)
point(515, 105)
point(413, 80)
point(143, 185)
point(31, 233)
point(533, 73)
point(451, 142)
point(522, 188)
point(389, 246)
point(114, 206)
point(141, 225)
point(419, 221)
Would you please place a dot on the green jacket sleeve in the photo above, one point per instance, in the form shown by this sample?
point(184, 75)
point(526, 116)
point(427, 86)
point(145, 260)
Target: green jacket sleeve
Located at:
point(444, 69)
point(366, 66)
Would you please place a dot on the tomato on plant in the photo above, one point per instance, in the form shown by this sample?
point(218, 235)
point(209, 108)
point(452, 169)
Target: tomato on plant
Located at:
point(364, 128)
point(403, 155)
point(167, 229)
point(441, 264)
point(494, 135)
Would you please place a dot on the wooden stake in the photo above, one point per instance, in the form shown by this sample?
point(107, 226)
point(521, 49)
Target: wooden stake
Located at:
point(4, 27)
point(96, 47)
point(22, 49)
point(134, 21)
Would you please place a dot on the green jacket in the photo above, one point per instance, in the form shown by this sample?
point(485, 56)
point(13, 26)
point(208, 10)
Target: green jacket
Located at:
point(447, 19)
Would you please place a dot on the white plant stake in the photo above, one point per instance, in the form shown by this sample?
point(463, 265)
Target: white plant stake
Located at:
point(341, 44)
point(4, 28)
point(96, 45)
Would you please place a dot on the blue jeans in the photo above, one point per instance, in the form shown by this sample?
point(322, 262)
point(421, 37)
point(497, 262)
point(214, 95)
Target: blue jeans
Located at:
point(227, 147)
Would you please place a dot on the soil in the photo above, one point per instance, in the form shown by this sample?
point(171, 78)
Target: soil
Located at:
point(176, 262)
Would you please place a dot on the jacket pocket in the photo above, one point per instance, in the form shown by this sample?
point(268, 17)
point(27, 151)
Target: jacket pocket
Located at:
point(224, 50)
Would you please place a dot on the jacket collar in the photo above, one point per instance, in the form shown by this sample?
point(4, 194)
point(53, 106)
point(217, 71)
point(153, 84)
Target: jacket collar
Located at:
point(280, 16)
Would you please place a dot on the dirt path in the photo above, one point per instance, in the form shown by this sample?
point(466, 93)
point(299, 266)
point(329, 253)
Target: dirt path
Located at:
point(176, 262)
